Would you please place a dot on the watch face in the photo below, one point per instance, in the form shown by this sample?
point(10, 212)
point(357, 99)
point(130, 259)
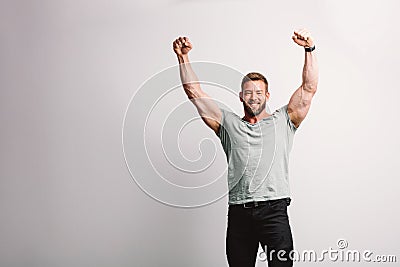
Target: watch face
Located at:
point(309, 49)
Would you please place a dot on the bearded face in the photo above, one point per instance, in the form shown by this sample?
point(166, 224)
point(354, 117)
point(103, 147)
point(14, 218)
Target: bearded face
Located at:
point(254, 97)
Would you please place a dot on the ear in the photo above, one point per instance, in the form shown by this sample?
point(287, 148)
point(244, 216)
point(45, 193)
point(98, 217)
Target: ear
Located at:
point(241, 96)
point(267, 95)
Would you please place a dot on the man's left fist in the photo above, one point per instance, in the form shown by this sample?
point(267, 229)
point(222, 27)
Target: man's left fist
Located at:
point(303, 37)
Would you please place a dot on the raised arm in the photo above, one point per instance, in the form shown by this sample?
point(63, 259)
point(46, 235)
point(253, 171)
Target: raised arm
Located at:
point(207, 108)
point(300, 101)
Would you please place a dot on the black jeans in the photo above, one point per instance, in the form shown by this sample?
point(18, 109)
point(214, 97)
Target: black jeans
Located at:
point(267, 224)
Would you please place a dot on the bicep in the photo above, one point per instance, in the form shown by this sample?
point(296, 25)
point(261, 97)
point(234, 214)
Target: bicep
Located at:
point(299, 104)
point(208, 110)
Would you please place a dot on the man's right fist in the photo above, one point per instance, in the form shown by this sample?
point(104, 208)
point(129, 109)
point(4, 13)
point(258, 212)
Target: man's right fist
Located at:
point(182, 46)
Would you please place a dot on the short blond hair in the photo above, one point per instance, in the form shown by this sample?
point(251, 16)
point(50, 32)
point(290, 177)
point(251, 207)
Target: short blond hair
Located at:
point(255, 76)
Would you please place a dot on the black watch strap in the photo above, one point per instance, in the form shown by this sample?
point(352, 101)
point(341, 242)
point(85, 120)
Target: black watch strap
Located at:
point(309, 49)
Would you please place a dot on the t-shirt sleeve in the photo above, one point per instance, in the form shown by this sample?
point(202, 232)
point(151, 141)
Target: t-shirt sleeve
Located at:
point(222, 123)
point(223, 133)
point(288, 120)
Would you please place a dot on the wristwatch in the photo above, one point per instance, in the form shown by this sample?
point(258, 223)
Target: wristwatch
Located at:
point(309, 49)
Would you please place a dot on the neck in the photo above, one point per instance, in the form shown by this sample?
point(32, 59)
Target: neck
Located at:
point(254, 119)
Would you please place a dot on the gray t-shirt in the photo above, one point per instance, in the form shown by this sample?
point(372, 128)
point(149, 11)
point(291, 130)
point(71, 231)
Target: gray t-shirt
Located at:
point(257, 155)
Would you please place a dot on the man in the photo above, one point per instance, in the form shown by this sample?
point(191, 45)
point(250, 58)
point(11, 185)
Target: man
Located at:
point(257, 177)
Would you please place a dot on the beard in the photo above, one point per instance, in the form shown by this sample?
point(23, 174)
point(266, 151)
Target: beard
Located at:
point(252, 111)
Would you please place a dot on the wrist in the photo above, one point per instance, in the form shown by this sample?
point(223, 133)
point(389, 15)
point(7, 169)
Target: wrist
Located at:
point(309, 48)
point(183, 58)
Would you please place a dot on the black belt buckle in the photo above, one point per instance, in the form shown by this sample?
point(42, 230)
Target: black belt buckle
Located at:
point(249, 205)
point(254, 204)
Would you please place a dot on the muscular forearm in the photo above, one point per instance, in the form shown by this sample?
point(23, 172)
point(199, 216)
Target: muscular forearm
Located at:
point(310, 72)
point(300, 102)
point(207, 108)
point(189, 78)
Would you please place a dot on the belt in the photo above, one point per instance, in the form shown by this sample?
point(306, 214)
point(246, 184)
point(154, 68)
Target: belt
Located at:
point(254, 204)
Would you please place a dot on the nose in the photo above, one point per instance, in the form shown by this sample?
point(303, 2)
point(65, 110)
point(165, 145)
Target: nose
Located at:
point(253, 96)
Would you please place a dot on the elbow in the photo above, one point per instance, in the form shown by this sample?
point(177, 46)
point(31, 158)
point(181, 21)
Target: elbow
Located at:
point(310, 87)
point(191, 91)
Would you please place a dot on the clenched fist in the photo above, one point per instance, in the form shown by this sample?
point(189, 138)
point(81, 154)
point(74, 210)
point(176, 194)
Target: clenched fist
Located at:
point(182, 46)
point(303, 37)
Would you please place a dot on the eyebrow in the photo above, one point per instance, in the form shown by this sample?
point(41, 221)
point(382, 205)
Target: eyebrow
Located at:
point(248, 90)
